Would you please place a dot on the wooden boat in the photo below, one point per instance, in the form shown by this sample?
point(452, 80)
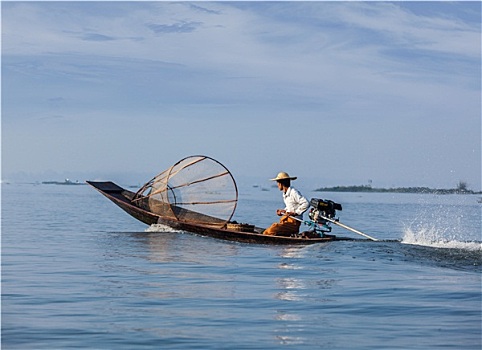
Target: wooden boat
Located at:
point(231, 231)
point(199, 195)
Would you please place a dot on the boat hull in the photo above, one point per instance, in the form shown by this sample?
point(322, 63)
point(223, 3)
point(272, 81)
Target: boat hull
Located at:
point(122, 198)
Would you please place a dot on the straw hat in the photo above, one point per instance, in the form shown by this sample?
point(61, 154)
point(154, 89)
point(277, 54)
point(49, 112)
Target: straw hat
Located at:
point(283, 176)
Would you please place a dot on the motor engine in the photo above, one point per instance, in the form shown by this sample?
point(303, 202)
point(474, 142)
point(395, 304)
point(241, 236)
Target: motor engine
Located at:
point(323, 208)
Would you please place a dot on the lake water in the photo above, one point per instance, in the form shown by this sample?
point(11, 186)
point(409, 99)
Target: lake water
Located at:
point(77, 272)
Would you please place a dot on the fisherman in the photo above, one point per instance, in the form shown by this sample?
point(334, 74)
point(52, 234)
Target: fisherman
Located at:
point(295, 206)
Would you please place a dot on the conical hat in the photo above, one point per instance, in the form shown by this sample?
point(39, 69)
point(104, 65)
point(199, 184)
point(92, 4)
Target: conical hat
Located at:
point(283, 176)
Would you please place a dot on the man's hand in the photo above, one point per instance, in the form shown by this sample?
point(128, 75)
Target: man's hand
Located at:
point(281, 212)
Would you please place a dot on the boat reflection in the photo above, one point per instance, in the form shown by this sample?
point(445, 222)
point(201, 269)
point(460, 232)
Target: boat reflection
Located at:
point(184, 278)
point(291, 288)
point(296, 291)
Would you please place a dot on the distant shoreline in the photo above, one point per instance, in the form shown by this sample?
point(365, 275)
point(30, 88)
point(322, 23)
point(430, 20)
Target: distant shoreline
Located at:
point(369, 189)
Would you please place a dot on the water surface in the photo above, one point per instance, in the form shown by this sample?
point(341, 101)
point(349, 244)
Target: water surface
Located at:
point(77, 272)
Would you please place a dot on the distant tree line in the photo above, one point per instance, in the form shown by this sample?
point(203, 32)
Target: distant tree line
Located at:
point(460, 189)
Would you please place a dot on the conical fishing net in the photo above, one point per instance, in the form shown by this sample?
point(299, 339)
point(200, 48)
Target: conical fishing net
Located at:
point(197, 189)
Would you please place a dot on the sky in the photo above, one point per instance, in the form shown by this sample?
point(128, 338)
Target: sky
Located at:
point(336, 93)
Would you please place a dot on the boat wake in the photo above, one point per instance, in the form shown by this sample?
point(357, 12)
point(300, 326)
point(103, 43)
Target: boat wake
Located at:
point(160, 228)
point(433, 237)
point(445, 226)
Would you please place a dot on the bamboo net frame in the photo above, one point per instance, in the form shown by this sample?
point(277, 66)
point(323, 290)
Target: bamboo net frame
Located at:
point(197, 189)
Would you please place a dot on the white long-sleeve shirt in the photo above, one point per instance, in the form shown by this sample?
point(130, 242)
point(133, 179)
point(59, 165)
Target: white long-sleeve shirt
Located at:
point(295, 202)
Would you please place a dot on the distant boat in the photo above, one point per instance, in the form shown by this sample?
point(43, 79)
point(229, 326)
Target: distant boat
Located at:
point(479, 200)
point(65, 182)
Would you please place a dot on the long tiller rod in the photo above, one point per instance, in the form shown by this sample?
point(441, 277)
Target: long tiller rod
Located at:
point(341, 225)
point(348, 228)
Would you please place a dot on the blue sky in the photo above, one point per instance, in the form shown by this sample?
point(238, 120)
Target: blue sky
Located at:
point(336, 93)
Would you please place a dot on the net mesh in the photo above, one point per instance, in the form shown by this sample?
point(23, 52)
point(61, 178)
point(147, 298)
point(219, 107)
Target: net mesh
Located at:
point(197, 189)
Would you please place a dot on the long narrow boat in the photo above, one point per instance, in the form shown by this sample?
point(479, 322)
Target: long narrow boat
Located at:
point(199, 195)
point(231, 231)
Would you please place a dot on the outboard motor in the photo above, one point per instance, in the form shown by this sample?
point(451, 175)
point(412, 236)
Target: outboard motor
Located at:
point(322, 208)
point(322, 214)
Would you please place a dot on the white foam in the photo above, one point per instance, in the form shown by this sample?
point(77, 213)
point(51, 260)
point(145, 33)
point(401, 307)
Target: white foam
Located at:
point(160, 228)
point(431, 237)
